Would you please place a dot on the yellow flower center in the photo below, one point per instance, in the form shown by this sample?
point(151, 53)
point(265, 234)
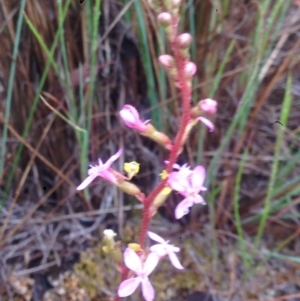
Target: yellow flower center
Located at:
point(132, 168)
point(134, 246)
point(164, 175)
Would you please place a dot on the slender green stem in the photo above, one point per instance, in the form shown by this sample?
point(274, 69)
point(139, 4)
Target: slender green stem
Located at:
point(283, 119)
point(11, 86)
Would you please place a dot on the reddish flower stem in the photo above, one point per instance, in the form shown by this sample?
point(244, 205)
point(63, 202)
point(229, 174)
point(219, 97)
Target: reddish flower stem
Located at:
point(186, 96)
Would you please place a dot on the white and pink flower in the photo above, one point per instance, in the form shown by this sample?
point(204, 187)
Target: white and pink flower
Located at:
point(188, 185)
point(102, 170)
point(142, 271)
point(163, 248)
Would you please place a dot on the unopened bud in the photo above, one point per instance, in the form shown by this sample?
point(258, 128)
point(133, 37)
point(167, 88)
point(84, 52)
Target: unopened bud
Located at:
point(166, 61)
point(176, 7)
point(190, 69)
point(185, 40)
point(109, 234)
point(165, 19)
point(109, 244)
point(176, 3)
point(208, 106)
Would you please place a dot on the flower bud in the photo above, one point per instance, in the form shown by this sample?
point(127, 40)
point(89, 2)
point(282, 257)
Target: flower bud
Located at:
point(108, 241)
point(208, 106)
point(190, 69)
point(164, 19)
point(176, 3)
point(166, 61)
point(185, 40)
point(131, 118)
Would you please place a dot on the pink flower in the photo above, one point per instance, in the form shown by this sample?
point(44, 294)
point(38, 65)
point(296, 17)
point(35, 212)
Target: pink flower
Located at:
point(189, 186)
point(163, 248)
point(101, 170)
point(132, 119)
point(142, 271)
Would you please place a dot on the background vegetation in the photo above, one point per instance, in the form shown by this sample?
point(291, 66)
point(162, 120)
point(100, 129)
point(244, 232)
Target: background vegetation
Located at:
point(67, 68)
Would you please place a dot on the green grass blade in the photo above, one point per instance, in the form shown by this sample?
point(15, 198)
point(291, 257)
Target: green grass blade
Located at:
point(11, 85)
point(237, 216)
point(283, 119)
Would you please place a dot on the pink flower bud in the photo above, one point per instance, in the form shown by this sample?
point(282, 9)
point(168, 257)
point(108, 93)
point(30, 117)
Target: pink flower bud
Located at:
point(176, 3)
point(208, 106)
point(190, 69)
point(165, 19)
point(184, 40)
point(167, 61)
point(132, 119)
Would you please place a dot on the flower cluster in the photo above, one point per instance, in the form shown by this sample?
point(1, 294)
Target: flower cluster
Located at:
point(136, 264)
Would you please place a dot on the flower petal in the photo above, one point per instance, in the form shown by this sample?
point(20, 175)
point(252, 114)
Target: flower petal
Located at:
point(108, 176)
point(132, 261)
point(159, 249)
point(198, 199)
point(198, 178)
point(148, 290)
point(133, 111)
point(87, 181)
point(156, 237)
point(150, 263)
point(175, 261)
point(207, 122)
point(183, 208)
point(128, 286)
point(178, 182)
point(112, 159)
